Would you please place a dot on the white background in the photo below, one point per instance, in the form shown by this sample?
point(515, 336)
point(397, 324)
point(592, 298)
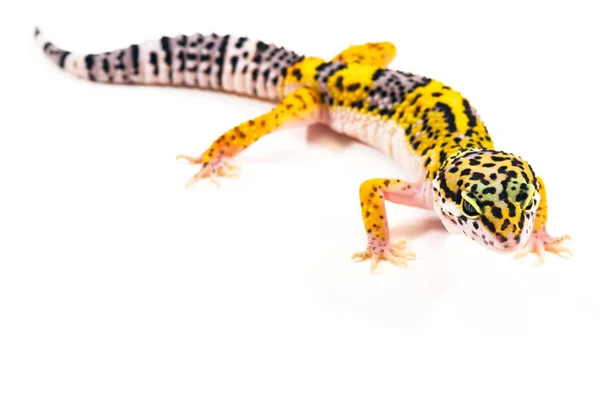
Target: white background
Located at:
point(116, 283)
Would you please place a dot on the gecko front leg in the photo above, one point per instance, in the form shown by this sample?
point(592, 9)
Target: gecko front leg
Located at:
point(301, 106)
point(540, 241)
point(373, 194)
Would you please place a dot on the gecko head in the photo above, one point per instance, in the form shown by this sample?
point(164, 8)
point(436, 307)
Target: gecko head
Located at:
point(489, 196)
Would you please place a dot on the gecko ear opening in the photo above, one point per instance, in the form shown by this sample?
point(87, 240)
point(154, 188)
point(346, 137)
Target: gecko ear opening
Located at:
point(469, 206)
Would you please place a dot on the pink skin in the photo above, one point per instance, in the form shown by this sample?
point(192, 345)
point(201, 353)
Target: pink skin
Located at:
point(416, 196)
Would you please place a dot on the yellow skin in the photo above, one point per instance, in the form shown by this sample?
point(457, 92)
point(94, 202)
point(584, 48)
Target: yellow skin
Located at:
point(491, 196)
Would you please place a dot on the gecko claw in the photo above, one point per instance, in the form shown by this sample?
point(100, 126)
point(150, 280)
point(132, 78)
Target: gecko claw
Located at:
point(541, 243)
point(211, 170)
point(392, 252)
point(190, 159)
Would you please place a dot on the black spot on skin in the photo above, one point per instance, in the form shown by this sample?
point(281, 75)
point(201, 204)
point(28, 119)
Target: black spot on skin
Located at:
point(475, 225)
point(453, 170)
point(234, 61)
point(261, 46)
point(166, 47)
point(353, 87)
point(505, 224)
point(488, 224)
point(497, 212)
point(478, 176)
point(465, 172)
point(240, 42)
point(89, 61)
point(105, 66)
point(442, 156)
point(219, 61)
point(297, 73)
point(414, 101)
point(521, 196)
point(499, 158)
point(474, 162)
point(493, 176)
point(488, 165)
point(322, 66)
point(63, 57)
point(357, 104)
point(469, 113)
point(448, 115)
point(489, 190)
point(378, 73)
point(135, 58)
point(181, 58)
point(512, 210)
point(209, 45)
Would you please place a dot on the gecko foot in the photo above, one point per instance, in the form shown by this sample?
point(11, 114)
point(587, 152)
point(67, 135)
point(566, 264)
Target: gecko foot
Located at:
point(540, 242)
point(211, 170)
point(378, 250)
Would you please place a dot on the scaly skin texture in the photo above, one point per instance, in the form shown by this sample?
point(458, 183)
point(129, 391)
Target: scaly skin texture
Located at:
point(490, 196)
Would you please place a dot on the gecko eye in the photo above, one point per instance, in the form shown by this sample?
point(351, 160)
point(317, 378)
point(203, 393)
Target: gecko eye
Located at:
point(469, 210)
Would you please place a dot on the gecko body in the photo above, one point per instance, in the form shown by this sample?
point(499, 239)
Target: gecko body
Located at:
point(430, 129)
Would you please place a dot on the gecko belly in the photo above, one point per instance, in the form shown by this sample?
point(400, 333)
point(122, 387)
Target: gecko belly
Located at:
point(385, 135)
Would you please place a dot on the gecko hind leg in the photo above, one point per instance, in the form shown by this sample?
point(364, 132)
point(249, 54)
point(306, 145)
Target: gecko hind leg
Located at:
point(373, 194)
point(301, 106)
point(379, 54)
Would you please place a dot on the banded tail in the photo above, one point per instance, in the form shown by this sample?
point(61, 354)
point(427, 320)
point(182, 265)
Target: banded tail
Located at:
point(225, 63)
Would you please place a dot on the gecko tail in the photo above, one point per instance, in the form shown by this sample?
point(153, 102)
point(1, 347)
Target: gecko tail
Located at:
point(224, 63)
point(64, 59)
